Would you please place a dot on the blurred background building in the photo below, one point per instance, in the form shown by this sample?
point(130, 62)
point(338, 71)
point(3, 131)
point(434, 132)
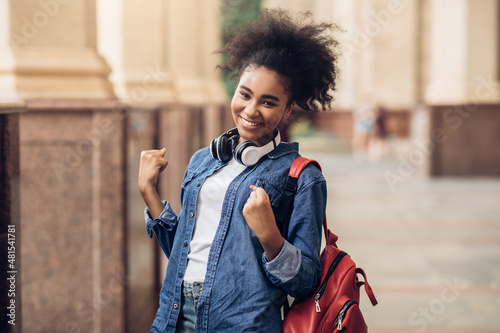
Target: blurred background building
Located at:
point(86, 85)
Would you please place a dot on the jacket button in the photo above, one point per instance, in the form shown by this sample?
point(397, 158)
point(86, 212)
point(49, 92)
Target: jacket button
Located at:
point(185, 244)
point(176, 306)
point(191, 214)
point(180, 275)
point(198, 184)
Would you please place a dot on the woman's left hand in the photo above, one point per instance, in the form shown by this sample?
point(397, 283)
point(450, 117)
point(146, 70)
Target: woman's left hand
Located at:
point(260, 218)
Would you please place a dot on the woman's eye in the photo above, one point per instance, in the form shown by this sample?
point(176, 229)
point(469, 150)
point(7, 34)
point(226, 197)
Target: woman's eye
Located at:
point(267, 103)
point(244, 95)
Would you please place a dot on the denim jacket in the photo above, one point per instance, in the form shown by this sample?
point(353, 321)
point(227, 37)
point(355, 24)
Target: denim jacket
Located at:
point(243, 290)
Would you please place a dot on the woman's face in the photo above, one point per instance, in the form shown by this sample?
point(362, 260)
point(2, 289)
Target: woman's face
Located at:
point(259, 103)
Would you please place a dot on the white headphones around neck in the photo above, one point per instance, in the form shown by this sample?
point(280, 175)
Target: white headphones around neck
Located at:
point(246, 153)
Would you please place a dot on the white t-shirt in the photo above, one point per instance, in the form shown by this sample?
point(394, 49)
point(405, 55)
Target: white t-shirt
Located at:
point(208, 211)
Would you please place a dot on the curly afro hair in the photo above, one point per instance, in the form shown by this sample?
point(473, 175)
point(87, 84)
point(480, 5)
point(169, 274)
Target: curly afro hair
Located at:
point(302, 52)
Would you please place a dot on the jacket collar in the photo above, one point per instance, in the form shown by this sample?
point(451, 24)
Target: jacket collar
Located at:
point(284, 148)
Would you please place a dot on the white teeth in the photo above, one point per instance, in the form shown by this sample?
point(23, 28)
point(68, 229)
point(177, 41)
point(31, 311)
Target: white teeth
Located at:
point(246, 122)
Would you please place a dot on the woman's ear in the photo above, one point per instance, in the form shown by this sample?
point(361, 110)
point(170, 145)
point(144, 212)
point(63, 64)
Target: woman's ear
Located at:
point(288, 110)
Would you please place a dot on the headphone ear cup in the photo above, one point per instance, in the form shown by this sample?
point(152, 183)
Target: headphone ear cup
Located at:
point(240, 149)
point(224, 149)
point(213, 148)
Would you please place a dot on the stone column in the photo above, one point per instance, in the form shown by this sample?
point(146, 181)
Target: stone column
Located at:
point(463, 52)
point(49, 51)
point(463, 90)
point(73, 216)
point(72, 167)
point(192, 32)
point(165, 59)
point(133, 40)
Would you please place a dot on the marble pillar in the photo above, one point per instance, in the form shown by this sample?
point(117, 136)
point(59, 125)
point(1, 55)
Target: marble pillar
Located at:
point(49, 51)
point(462, 89)
point(463, 52)
point(168, 57)
point(71, 157)
point(72, 215)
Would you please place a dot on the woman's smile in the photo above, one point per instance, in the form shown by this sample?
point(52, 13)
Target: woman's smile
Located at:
point(248, 122)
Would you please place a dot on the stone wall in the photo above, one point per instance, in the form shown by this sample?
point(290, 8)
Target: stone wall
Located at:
point(469, 143)
point(72, 214)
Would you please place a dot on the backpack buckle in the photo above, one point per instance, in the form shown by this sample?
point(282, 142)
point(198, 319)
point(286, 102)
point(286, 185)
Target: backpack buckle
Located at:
point(291, 186)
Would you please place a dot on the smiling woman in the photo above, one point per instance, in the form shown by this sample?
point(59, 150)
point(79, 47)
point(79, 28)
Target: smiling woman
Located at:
point(229, 267)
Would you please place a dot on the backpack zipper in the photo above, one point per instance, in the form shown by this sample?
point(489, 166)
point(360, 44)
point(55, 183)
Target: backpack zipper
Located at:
point(322, 287)
point(340, 316)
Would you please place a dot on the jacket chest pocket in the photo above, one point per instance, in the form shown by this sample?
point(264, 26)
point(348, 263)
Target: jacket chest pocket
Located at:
point(274, 189)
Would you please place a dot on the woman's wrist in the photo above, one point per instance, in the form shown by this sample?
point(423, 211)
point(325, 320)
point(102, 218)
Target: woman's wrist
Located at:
point(272, 244)
point(152, 200)
point(146, 188)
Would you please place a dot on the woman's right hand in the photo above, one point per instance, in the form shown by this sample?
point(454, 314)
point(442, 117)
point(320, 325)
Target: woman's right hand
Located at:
point(152, 163)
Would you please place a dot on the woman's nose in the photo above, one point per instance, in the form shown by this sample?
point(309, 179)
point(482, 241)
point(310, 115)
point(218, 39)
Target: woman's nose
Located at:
point(251, 109)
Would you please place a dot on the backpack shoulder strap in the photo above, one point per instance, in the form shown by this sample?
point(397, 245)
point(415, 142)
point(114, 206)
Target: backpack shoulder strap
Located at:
point(299, 164)
point(285, 211)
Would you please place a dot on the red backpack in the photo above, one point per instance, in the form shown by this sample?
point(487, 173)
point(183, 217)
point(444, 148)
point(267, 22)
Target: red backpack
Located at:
point(334, 307)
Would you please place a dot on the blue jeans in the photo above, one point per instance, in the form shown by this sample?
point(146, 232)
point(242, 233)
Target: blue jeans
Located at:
point(186, 323)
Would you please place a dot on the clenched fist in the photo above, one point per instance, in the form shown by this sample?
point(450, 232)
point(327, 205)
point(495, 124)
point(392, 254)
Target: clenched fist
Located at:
point(260, 218)
point(151, 164)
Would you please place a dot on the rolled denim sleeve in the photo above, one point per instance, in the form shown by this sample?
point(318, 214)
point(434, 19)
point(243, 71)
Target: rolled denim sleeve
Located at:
point(285, 266)
point(164, 226)
point(296, 274)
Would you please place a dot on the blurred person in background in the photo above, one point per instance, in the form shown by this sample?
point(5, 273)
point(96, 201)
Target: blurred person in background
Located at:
point(229, 268)
point(377, 139)
point(364, 116)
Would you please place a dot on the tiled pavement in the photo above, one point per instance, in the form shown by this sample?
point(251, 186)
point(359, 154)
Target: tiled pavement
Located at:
point(430, 248)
